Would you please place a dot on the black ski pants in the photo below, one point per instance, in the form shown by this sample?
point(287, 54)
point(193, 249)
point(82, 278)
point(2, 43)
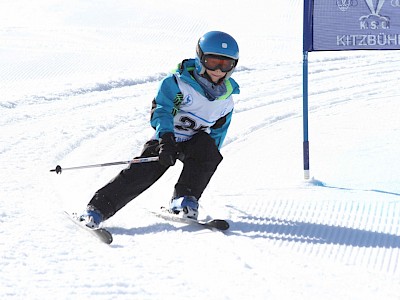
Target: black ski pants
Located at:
point(201, 158)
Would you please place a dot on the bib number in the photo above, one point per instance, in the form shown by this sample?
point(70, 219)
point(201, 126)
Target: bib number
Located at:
point(189, 124)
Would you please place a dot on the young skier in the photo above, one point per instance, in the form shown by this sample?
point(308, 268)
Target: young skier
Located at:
point(191, 114)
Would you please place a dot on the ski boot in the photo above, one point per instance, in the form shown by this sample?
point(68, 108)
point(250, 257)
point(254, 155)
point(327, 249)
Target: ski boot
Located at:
point(91, 218)
point(187, 206)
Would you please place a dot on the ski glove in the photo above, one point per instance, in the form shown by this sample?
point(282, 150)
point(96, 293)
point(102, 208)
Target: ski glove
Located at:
point(168, 151)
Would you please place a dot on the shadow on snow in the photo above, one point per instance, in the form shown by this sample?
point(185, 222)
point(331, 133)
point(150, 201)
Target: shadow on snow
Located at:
point(158, 227)
point(304, 232)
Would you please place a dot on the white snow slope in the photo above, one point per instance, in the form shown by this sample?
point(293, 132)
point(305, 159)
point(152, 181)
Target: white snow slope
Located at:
point(77, 79)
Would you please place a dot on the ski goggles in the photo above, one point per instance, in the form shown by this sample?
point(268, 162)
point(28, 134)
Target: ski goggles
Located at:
point(213, 62)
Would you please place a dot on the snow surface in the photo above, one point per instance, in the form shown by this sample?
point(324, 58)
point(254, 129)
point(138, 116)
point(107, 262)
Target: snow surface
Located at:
point(77, 79)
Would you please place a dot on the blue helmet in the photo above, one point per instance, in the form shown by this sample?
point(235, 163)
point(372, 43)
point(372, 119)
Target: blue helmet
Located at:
point(217, 43)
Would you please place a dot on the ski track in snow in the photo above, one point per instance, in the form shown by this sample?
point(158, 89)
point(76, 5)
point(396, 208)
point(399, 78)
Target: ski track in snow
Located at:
point(288, 238)
point(336, 229)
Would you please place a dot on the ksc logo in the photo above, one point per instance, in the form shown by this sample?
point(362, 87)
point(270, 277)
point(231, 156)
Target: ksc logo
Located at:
point(187, 101)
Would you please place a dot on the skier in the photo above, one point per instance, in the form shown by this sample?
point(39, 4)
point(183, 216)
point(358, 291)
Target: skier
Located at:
point(191, 114)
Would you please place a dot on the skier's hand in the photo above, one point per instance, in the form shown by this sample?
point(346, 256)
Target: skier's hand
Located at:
point(168, 151)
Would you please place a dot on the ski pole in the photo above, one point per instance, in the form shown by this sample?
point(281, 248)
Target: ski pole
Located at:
point(58, 168)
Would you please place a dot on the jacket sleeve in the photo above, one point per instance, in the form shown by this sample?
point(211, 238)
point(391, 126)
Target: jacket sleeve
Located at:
point(164, 106)
point(220, 128)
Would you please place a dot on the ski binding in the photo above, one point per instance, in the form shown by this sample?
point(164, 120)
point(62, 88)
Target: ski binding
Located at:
point(101, 233)
point(217, 224)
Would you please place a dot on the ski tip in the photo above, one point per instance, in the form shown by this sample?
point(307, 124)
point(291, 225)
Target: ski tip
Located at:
point(219, 224)
point(106, 236)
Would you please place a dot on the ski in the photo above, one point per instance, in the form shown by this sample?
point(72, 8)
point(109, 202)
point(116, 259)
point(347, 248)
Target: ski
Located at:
point(101, 233)
point(217, 224)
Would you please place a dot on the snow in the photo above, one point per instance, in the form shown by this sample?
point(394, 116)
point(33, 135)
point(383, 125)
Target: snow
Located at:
point(77, 79)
